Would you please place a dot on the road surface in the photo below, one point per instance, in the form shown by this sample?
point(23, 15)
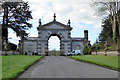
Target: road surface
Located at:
point(64, 67)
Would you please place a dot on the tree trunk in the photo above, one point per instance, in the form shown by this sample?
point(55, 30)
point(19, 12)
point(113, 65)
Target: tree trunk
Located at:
point(5, 25)
point(118, 43)
point(114, 28)
point(114, 24)
point(118, 23)
point(119, 28)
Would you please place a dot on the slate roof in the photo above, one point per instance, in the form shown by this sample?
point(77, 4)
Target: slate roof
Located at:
point(77, 38)
point(31, 38)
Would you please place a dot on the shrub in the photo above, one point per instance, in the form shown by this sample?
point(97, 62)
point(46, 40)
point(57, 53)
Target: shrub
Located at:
point(89, 51)
point(93, 48)
point(85, 50)
point(98, 47)
point(12, 46)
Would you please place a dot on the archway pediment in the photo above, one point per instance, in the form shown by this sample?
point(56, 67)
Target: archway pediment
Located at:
point(55, 25)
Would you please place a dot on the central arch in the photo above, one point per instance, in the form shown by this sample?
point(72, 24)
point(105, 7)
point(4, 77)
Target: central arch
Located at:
point(62, 51)
point(54, 28)
point(54, 46)
point(54, 43)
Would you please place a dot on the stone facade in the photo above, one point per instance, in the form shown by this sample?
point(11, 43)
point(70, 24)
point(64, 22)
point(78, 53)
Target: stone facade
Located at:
point(54, 28)
point(30, 44)
point(77, 43)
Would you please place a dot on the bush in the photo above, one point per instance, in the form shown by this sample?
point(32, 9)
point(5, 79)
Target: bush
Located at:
point(93, 48)
point(98, 47)
point(85, 50)
point(90, 50)
point(12, 46)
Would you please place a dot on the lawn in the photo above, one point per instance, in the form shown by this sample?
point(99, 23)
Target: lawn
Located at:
point(105, 61)
point(12, 66)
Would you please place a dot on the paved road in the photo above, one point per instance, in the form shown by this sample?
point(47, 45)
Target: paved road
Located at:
point(64, 67)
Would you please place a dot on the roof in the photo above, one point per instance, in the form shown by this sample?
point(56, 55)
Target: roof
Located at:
point(77, 38)
point(31, 38)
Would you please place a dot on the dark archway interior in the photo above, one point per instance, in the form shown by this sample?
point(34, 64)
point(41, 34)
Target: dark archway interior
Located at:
point(54, 35)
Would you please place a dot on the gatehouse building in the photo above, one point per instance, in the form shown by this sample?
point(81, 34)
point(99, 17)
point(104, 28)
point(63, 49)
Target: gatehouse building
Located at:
point(54, 28)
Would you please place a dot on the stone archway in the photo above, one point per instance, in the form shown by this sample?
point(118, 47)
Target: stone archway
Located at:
point(54, 28)
point(58, 36)
point(67, 44)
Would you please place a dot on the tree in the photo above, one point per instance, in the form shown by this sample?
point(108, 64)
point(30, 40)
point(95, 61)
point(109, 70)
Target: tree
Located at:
point(0, 37)
point(16, 16)
point(0, 8)
point(119, 21)
point(106, 33)
point(85, 50)
point(12, 46)
point(110, 8)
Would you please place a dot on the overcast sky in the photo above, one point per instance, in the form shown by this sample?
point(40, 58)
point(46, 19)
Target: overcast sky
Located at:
point(78, 11)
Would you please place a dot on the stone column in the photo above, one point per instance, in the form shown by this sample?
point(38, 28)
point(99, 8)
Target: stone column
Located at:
point(62, 47)
point(43, 47)
point(65, 46)
point(39, 43)
point(69, 42)
point(46, 48)
point(69, 46)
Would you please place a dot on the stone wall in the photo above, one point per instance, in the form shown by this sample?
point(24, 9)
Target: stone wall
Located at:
point(9, 53)
point(30, 46)
point(114, 53)
point(0, 52)
point(77, 45)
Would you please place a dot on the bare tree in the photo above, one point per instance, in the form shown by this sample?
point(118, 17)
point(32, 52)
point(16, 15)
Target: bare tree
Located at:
point(109, 8)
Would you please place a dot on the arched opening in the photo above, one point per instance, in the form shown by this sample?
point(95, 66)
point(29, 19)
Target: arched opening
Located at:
point(54, 45)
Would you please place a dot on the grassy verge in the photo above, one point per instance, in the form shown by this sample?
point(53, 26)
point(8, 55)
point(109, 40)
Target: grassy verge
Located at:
point(0, 67)
point(105, 61)
point(12, 66)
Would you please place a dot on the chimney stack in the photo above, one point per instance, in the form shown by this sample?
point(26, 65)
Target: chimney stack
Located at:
point(86, 35)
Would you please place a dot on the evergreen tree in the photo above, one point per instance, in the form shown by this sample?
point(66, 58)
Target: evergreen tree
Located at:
point(106, 33)
point(16, 16)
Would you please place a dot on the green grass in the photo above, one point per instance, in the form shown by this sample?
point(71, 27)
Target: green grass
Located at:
point(12, 66)
point(54, 53)
point(105, 61)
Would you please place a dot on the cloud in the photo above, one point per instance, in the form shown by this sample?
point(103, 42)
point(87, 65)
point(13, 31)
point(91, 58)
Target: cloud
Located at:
point(78, 11)
point(12, 37)
point(54, 43)
point(74, 10)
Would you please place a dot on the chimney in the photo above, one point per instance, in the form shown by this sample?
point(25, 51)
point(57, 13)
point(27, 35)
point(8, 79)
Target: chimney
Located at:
point(86, 35)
